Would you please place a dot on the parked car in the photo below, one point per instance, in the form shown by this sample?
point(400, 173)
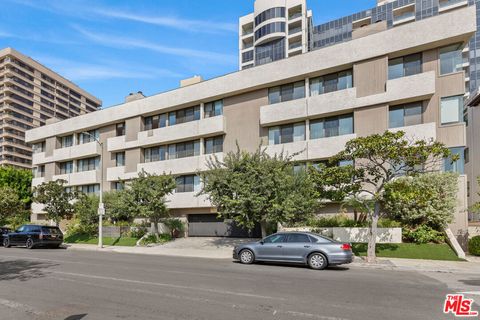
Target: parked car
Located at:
point(307, 248)
point(32, 236)
point(4, 230)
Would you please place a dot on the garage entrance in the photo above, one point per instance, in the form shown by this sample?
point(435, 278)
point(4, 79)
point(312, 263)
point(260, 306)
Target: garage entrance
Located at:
point(208, 225)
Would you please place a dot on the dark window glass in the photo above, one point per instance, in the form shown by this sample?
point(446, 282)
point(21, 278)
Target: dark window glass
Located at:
point(276, 238)
point(286, 92)
point(286, 133)
point(405, 66)
point(405, 115)
point(297, 238)
point(331, 126)
point(213, 109)
point(120, 129)
point(188, 183)
point(214, 145)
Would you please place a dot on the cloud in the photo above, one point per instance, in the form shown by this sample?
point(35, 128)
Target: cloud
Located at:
point(126, 42)
point(78, 71)
point(172, 22)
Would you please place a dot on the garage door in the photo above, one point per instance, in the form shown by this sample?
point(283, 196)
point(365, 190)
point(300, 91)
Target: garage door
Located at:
point(208, 225)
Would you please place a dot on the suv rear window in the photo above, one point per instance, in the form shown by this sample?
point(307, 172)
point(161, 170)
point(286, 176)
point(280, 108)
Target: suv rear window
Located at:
point(51, 230)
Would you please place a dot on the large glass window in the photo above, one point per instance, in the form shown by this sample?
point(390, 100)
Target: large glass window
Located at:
point(38, 147)
point(331, 82)
point(120, 129)
point(155, 154)
point(66, 141)
point(214, 145)
point(457, 166)
point(331, 126)
point(278, 12)
point(189, 183)
point(90, 189)
point(451, 109)
point(156, 121)
point(184, 149)
point(286, 133)
point(451, 59)
point(405, 115)
point(120, 159)
point(286, 92)
point(184, 115)
point(405, 66)
point(88, 164)
point(269, 28)
point(66, 167)
point(88, 136)
point(213, 109)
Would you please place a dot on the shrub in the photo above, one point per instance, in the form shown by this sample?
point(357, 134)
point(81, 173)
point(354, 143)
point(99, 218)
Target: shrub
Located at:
point(153, 239)
point(137, 231)
point(76, 227)
point(334, 222)
point(423, 234)
point(389, 223)
point(474, 246)
point(175, 225)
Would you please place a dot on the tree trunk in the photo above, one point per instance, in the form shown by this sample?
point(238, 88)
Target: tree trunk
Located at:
point(355, 215)
point(155, 227)
point(263, 226)
point(372, 239)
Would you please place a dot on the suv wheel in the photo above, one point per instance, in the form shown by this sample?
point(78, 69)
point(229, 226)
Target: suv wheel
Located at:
point(29, 243)
point(6, 242)
point(246, 256)
point(317, 261)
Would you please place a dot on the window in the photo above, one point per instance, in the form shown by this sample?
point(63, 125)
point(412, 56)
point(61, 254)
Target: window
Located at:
point(120, 129)
point(155, 122)
point(278, 12)
point(38, 147)
point(451, 59)
point(276, 238)
point(214, 145)
point(332, 82)
point(269, 28)
point(286, 133)
point(213, 109)
point(39, 172)
point(155, 154)
point(88, 164)
point(286, 92)
point(88, 136)
point(117, 185)
point(184, 149)
point(451, 109)
point(331, 126)
point(405, 66)
point(190, 183)
point(120, 159)
point(67, 141)
point(90, 189)
point(297, 238)
point(455, 166)
point(299, 167)
point(405, 115)
point(466, 155)
point(184, 115)
point(66, 167)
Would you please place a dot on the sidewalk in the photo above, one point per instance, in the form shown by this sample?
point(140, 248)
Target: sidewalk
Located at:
point(215, 248)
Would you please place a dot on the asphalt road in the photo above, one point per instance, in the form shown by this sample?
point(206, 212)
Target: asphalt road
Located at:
point(65, 284)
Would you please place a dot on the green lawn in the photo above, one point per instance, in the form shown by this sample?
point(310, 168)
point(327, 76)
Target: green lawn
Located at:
point(410, 251)
point(85, 239)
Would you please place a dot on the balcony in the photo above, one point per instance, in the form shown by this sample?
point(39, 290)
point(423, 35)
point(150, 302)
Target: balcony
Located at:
point(37, 181)
point(424, 131)
point(179, 132)
point(178, 166)
point(115, 173)
point(80, 178)
point(288, 149)
point(187, 200)
point(76, 151)
point(402, 90)
point(445, 5)
point(324, 148)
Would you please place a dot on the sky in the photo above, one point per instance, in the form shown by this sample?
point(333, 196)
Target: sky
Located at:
point(113, 47)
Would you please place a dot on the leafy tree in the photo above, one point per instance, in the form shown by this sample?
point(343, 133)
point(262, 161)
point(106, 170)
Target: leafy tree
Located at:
point(428, 199)
point(86, 212)
point(146, 196)
point(476, 207)
point(56, 199)
point(117, 206)
point(20, 180)
point(10, 204)
point(379, 159)
point(253, 188)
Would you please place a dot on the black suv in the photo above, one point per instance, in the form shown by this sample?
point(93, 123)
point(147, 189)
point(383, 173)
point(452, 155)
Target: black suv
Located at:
point(4, 230)
point(32, 236)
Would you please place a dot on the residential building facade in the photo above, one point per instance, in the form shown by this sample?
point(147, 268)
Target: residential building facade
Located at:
point(400, 78)
point(30, 95)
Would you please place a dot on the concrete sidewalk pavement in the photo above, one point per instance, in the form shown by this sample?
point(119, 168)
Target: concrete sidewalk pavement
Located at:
point(221, 248)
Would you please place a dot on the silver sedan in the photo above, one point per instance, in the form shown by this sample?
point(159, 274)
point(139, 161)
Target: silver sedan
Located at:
point(318, 252)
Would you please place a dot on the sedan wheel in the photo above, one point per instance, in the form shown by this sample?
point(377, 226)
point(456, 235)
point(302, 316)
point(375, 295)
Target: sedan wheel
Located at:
point(6, 243)
point(29, 244)
point(317, 261)
point(246, 257)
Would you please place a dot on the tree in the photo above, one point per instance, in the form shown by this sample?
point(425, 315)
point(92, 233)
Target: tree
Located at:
point(146, 196)
point(20, 180)
point(379, 159)
point(56, 199)
point(476, 207)
point(117, 206)
point(10, 204)
point(428, 199)
point(86, 212)
point(252, 188)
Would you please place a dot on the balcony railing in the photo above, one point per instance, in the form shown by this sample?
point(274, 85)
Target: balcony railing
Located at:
point(295, 45)
point(295, 30)
point(294, 16)
point(447, 3)
point(404, 16)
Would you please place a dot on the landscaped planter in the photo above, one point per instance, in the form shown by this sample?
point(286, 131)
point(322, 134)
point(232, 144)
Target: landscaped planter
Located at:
point(357, 235)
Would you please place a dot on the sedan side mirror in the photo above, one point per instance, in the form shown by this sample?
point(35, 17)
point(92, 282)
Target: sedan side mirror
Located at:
point(261, 242)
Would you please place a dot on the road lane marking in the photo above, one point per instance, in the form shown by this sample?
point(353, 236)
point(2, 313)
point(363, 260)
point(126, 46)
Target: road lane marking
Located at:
point(168, 285)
